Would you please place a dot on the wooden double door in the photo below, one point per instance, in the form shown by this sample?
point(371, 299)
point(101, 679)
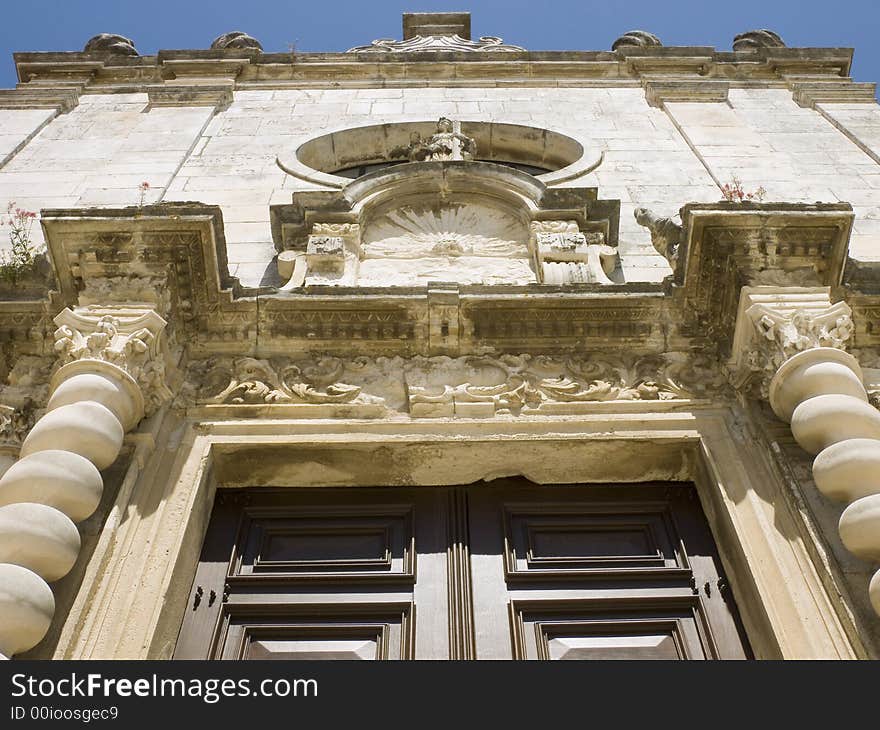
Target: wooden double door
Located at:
point(504, 570)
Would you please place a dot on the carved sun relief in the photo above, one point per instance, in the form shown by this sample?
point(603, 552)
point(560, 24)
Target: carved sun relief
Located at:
point(469, 243)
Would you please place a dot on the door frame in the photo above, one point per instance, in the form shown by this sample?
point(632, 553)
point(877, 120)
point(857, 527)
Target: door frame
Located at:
point(136, 588)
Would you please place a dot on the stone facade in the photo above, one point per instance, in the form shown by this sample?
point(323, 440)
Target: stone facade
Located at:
point(649, 263)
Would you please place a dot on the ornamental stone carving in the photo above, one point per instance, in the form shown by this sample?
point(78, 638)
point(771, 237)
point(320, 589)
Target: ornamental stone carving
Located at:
point(112, 43)
point(476, 386)
point(250, 380)
point(752, 40)
point(435, 43)
point(15, 423)
point(235, 39)
point(636, 39)
point(666, 234)
point(528, 384)
point(779, 322)
point(131, 342)
point(567, 255)
point(447, 143)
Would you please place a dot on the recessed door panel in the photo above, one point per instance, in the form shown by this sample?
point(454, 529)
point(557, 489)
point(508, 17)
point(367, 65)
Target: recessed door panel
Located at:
point(505, 570)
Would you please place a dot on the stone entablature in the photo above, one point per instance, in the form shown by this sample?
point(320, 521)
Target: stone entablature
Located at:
point(249, 68)
point(94, 251)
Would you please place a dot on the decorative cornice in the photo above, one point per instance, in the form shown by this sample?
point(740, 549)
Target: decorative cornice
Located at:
point(205, 71)
point(107, 73)
point(728, 245)
point(171, 258)
point(845, 91)
point(36, 98)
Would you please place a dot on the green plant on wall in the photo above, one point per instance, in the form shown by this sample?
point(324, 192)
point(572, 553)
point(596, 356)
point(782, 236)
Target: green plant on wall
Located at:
point(19, 260)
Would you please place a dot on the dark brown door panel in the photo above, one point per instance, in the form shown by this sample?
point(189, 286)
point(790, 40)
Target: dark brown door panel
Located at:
point(501, 570)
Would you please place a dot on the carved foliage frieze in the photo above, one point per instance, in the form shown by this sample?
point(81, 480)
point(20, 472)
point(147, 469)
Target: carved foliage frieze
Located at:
point(536, 383)
point(477, 386)
point(249, 380)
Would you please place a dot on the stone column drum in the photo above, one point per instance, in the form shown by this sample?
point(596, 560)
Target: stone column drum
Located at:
point(95, 399)
point(793, 340)
point(820, 393)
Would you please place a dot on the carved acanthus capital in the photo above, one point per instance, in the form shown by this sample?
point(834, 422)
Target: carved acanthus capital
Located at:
point(129, 339)
point(775, 323)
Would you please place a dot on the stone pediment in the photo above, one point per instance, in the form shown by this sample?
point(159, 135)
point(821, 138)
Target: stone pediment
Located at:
point(458, 221)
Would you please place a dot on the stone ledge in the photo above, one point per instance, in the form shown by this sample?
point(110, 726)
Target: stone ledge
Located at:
point(25, 98)
point(658, 93)
point(809, 93)
point(190, 95)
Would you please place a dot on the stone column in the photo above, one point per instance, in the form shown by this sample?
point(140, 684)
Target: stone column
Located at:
point(797, 339)
point(111, 373)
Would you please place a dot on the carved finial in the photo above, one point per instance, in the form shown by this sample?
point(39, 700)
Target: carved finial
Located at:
point(113, 43)
point(636, 39)
point(235, 39)
point(752, 40)
point(666, 234)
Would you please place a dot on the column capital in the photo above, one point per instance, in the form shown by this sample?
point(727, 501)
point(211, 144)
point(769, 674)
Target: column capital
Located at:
point(773, 324)
point(126, 339)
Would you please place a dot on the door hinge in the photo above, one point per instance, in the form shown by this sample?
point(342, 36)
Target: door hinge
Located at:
point(197, 598)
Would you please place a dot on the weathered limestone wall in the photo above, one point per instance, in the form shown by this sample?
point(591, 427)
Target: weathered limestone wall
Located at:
point(99, 153)
point(660, 158)
point(646, 162)
point(766, 140)
point(861, 124)
point(17, 127)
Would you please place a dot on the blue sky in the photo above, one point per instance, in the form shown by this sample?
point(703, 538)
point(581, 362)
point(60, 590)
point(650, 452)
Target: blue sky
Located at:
point(322, 25)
